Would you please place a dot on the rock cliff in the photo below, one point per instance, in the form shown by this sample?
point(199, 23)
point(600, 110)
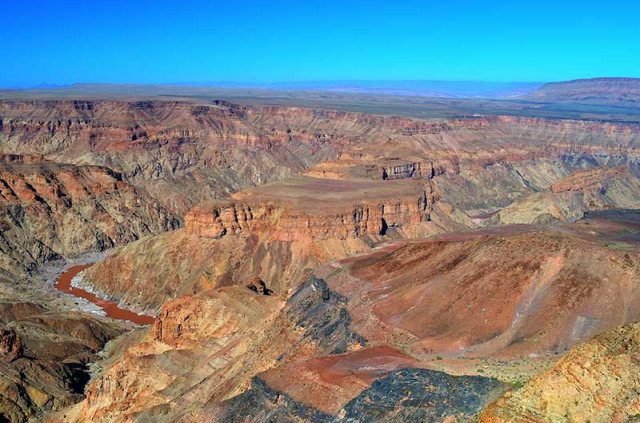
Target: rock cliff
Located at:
point(50, 210)
point(308, 208)
point(505, 295)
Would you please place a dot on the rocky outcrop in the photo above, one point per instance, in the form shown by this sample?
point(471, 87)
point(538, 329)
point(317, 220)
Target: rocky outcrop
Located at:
point(419, 395)
point(401, 171)
point(44, 357)
point(595, 382)
point(222, 218)
point(258, 286)
point(407, 395)
point(200, 349)
point(217, 219)
point(207, 348)
point(10, 344)
point(309, 208)
point(323, 315)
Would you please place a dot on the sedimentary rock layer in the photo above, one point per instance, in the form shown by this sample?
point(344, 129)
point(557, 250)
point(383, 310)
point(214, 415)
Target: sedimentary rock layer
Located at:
point(50, 210)
point(309, 208)
point(183, 153)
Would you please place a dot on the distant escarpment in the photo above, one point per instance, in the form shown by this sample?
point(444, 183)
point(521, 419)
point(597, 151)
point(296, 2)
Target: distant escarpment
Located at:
point(607, 91)
point(50, 210)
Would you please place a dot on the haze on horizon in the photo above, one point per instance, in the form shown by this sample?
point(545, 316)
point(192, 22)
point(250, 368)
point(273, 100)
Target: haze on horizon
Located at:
point(262, 42)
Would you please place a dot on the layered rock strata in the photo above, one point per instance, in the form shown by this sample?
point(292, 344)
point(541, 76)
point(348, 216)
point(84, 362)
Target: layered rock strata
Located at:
point(50, 210)
point(44, 357)
point(571, 197)
point(315, 209)
point(184, 153)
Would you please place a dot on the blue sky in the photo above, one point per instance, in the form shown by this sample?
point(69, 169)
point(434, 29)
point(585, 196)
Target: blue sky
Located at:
point(66, 41)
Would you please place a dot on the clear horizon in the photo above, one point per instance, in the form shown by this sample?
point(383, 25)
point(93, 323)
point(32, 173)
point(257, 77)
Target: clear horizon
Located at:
point(259, 42)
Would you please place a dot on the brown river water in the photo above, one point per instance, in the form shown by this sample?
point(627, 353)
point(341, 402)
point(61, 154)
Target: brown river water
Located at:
point(63, 283)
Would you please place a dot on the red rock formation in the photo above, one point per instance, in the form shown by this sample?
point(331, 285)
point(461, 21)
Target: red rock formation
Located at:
point(328, 383)
point(308, 208)
point(504, 295)
point(217, 341)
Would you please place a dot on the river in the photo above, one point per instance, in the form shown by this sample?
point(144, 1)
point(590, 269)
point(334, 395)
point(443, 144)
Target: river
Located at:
point(111, 309)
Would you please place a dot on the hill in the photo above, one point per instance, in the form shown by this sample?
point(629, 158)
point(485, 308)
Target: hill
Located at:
point(601, 91)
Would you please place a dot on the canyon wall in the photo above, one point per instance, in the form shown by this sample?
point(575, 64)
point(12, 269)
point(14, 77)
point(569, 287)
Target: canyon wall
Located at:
point(569, 198)
point(44, 356)
point(50, 210)
point(183, 153)
point(217, 219)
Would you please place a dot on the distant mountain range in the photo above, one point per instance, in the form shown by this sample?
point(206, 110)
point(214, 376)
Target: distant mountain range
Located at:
point(441, 89)
point(599, 98)
point(418, 88)
point(608, 91)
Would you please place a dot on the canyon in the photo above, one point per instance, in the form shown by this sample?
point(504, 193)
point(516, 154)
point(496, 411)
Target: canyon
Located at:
point(298, 264)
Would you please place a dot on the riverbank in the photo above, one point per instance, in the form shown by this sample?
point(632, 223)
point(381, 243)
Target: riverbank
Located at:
point(67, 282)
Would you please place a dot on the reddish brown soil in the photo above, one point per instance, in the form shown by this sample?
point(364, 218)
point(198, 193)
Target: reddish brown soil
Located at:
point(507, 292)
point(328, 383)
point(110, 308)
